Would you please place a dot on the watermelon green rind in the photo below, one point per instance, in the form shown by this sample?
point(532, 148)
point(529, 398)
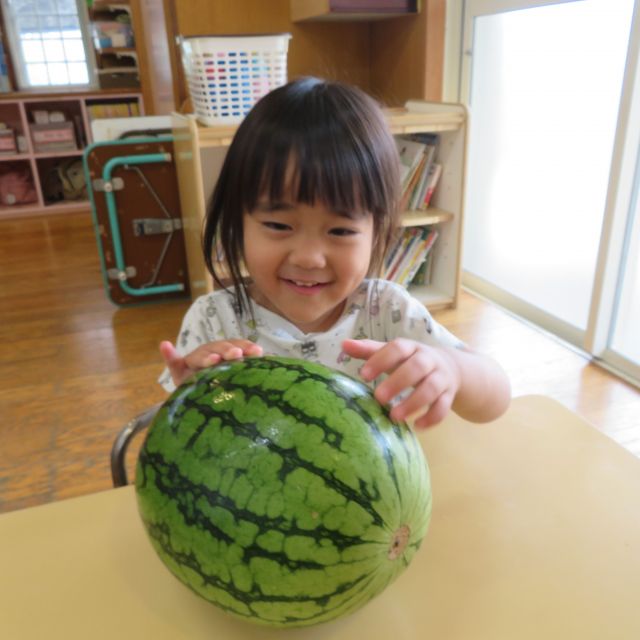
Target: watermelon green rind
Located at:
point(275, 528)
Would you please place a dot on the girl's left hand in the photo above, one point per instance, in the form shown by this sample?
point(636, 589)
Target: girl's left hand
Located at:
point(432, 373)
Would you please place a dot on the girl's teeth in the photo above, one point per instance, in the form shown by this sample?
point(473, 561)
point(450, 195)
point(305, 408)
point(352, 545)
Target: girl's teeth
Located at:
point(304, 284)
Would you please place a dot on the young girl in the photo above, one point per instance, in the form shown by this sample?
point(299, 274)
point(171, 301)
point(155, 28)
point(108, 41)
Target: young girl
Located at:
point(306, 202)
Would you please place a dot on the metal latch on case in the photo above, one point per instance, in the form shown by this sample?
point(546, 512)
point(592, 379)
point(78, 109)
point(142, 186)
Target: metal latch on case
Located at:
point(116, 184)
point(154, 226)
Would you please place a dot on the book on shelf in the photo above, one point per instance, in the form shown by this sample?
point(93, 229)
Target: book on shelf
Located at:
point(417, 157)
point(407, 272)
point(113, 110)
point(422, 276)
point(407, 254)
point(430, 142)
point(435, 171)
point(399, 249)
point(411, 153)
point(412, 198)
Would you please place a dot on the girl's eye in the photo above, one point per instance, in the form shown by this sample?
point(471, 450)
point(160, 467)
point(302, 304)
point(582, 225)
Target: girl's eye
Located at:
point(343, 232)
point(276, 226)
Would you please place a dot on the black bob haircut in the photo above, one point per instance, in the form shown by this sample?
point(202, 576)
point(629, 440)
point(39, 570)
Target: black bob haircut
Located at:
point(343, 155)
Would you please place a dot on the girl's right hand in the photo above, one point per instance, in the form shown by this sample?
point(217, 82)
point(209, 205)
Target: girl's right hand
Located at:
point(206, 355)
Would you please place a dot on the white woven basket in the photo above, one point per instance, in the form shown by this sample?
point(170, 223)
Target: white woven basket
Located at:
point(227, 75)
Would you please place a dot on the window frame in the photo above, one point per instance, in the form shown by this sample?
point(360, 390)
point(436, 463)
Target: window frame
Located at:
point(20, 65)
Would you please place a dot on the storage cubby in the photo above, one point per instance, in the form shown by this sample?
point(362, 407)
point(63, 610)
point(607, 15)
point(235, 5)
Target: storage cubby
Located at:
point(118, 60)
point(54, 131)
point(61, 179)
point(114, 107)
point(118, 69)
point(13, 138)
point(17, 185)
point(55, 126)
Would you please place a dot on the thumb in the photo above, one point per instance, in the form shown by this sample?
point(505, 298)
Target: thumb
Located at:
point(174, 361)
point(168, 352)
point(361, 349)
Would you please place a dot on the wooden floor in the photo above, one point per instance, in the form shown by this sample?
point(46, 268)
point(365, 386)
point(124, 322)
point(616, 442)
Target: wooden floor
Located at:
point(74, 368)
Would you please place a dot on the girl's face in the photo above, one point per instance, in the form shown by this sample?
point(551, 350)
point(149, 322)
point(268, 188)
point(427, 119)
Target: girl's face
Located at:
point(305, 260)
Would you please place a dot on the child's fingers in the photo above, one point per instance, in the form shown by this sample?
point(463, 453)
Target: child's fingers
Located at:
point(388, 358)
point(168, 352)
point(425, 393)
point(437, 411)
point(202, 357)
point(413, 372)
point(234, 349)
point(361, 349)
point(248, 348)
point(212, 353)
point(174, 362)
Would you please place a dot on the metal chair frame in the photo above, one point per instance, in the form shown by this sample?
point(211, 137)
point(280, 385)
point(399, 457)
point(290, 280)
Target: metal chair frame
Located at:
point(122, 442)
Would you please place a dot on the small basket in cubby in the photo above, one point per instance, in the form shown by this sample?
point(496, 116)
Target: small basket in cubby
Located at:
point(227, 75)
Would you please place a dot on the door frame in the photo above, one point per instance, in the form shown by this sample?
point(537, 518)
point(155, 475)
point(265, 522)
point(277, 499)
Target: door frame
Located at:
point(624, 173)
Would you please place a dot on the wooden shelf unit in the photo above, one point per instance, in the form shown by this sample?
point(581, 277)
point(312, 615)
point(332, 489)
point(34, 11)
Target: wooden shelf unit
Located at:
point(17, 112)
point(117, 64)
point(426, 218)
point(351, 10)
point(394, 60)
point(200, 152)
point(145, 67)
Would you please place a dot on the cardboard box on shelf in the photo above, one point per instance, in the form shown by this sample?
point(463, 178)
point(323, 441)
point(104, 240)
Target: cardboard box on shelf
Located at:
point(119, 79)
point(57, 136)
point(7, 142)
point(107, 34)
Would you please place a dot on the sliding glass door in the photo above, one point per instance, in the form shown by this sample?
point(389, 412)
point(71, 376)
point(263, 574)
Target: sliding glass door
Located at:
point(625, 337)
point(548, 85)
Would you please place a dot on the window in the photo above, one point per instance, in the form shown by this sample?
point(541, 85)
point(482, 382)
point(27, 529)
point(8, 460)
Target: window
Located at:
point(49, 40)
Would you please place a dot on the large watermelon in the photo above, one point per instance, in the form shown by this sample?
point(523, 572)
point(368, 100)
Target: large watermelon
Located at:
point(281, 491)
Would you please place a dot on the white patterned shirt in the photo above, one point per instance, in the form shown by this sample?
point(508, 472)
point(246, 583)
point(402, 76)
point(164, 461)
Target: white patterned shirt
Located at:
point(377, 310)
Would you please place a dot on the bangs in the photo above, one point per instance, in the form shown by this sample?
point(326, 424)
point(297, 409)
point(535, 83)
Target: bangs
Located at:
point(333, 176)
point(311, 156)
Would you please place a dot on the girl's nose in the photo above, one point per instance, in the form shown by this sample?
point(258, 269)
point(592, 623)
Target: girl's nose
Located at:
point(308, 253)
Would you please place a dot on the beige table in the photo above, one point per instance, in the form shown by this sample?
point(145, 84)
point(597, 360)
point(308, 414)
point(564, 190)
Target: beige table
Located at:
point(535, 534)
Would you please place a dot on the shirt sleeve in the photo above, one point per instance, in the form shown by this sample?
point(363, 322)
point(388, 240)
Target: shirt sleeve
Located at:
point(406, 317)
point(200, 325)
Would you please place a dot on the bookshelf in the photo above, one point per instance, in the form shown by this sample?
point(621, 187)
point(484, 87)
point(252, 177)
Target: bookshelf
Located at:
point(114, 45)
point(133, 49)
point(42, 151)
point(200, 153)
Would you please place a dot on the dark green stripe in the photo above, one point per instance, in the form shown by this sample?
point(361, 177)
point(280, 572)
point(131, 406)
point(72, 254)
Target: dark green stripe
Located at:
point(363, 496)
point(161, 534)
point(171, 483)
point(333, 384)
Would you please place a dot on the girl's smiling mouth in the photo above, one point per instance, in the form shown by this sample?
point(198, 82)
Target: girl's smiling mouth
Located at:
point(306, 287)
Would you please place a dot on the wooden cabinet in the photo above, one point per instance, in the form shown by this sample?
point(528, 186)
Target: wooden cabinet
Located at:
point(394, 60)
point(200, 153)
point(40, 169)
